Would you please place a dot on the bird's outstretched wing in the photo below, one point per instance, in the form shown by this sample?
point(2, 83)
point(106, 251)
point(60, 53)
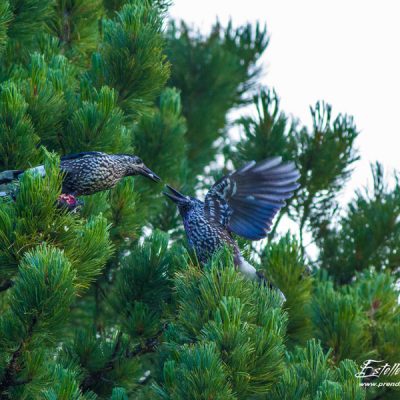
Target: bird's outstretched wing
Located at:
point(82, 155)
point(247, 200)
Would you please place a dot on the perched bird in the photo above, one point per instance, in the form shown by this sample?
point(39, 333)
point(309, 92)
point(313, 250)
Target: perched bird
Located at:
point(243, 202)
point(90, 172)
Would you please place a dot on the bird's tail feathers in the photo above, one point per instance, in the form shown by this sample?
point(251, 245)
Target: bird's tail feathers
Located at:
point(249, 271)
point(246, 268)
point(9, 176)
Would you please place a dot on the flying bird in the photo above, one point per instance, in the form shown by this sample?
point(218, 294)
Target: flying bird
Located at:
point(244, 202)
point(90, 172)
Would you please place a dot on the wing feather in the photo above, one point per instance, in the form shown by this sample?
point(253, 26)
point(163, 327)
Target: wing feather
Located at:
point(247, 200)
point(83, 155)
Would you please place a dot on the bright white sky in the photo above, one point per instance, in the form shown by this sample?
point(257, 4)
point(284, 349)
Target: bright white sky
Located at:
point(346, 52)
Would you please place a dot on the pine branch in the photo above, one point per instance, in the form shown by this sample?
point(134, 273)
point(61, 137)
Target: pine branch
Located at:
point(6, 285)
point(150, 345)
point(13, 365)
point(90, 380)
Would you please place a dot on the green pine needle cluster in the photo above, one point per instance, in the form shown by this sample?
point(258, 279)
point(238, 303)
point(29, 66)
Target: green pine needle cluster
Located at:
point(236, 325)
point(310, 376)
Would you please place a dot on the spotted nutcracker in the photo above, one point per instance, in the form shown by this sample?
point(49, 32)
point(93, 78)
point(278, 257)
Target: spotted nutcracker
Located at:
point(243, 202)
point(90, 172)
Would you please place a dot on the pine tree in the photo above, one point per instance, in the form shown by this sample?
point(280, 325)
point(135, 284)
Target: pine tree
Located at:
point(109, 302)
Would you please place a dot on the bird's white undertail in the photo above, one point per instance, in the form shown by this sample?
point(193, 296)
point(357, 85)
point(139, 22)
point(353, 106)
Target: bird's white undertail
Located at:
point(247, 269)
point(250, 272)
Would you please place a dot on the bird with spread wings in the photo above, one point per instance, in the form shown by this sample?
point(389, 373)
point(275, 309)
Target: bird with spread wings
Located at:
point(244, 202)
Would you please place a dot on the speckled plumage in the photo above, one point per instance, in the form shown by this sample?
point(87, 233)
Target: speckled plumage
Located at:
point(243, 202)
point(91, 172)
point(204, 236)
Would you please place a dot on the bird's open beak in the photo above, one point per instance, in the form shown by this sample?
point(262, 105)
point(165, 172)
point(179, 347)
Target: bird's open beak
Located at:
point(147, 172)
point(175, 196)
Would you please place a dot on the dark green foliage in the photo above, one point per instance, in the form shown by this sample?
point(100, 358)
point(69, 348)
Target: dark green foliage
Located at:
point(339, 322)
point(76, 24)
point(325, 156)
point(241, 319)
point(368, 235)
point(17, 136)
point(113, 6)
point(214, 74)
point(47, 98)
point(39, 300)
point(366, 314)
point(5, 18)
point(97, 124)
point(197, 374)
point(131, 58)
point(165, 129)
point(120, 207)
point(378, 297)
point(40, 84)
point(143, 287)
point(285, 267)
point(28, 19)
point(102, 362)
point(267, 135)
point(124, 213)
point(66, 386)
point(27, 25)
point(309, 375)
point(52, 277)
point(163, 133)
point(118, 394)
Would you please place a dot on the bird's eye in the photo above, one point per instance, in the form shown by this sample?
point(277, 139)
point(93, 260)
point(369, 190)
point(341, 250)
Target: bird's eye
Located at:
point(139, 161)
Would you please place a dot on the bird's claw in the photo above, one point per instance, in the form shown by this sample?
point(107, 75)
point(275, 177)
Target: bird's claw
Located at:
point(69, 202)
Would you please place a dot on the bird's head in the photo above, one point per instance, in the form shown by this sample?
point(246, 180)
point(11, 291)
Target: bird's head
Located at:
point(135, 166)
point(184, 203)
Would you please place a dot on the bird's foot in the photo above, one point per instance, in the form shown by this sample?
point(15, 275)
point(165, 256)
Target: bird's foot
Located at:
point(67, 199)
point(69, 202)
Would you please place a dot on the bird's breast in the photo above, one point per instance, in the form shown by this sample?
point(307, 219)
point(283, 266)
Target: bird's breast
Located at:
point(205, 237)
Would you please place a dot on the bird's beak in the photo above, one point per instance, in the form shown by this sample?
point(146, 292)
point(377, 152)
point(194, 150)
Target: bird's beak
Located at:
point(147, 172)
point(175, 196)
